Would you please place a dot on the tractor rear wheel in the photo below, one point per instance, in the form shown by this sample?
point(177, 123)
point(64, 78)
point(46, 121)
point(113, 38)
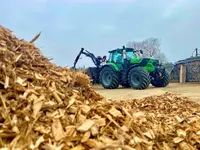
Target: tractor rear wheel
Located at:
point(161, 82)
point(109, 78)
point(138, 78)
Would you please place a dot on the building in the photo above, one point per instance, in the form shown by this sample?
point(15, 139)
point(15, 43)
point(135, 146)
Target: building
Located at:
point(187, 70)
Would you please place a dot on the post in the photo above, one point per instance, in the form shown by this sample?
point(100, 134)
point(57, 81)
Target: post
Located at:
point(182, 74)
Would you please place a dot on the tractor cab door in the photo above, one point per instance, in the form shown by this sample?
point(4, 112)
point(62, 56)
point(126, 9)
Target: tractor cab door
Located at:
point(118, 59)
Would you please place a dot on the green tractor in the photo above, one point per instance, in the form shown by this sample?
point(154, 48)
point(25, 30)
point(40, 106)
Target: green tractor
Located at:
point(126, 69)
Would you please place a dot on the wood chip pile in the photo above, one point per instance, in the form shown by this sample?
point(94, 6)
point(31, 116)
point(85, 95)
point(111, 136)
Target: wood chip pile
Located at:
point(43, 106)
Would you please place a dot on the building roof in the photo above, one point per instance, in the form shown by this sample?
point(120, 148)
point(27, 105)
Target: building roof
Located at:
point(188, 60)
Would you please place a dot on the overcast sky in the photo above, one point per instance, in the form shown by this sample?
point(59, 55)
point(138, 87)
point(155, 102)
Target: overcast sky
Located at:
point(102, 25)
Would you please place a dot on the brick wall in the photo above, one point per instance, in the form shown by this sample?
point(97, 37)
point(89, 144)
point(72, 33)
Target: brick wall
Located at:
point(175, 73)
point(192, 72)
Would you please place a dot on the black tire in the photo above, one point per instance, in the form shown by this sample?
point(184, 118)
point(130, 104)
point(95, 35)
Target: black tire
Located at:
point(138, 78)
point(109, 78)
point(161, 82)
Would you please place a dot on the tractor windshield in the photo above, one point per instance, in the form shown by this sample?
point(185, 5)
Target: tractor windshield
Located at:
point(130, 55)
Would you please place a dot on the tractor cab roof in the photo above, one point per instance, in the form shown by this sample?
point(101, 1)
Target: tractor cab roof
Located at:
point(120, 49)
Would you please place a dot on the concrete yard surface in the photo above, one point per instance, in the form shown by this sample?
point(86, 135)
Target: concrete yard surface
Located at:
point(191, 90)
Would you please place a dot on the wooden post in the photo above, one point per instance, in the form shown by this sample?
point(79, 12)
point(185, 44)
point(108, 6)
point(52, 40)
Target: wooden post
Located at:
point(183, 74)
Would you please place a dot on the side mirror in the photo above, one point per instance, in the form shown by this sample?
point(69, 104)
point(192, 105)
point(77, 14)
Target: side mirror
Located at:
point(141, 51)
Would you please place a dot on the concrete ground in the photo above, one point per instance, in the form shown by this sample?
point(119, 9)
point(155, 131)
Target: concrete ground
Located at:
point(191, 90)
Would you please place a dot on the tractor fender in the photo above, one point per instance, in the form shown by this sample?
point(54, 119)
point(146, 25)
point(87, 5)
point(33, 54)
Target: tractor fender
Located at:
point(109, 65)
point(132, 66)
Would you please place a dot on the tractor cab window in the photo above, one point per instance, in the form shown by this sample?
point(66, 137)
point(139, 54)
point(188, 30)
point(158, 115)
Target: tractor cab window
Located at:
point(110, 57)
point(130, 55)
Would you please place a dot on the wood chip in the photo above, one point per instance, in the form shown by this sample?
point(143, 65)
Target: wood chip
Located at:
point(94, 130)
point(37, 105)
point(78, 147)
point(114, 112)
point(93, 143)
point(57, 130)
point(86, 126)
point(81, 118)
point(86, 136)
point(100, 122)
point(70, 131)
point(85, 109)
point(6, 82)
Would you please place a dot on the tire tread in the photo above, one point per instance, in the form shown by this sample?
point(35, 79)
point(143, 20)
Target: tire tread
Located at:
point(115, 82)
point(145, 78)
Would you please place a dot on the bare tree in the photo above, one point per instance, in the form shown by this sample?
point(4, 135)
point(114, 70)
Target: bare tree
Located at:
point(161, 57)
point(150, 47)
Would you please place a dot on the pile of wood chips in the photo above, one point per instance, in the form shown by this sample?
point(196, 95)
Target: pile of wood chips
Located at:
point(43, 106)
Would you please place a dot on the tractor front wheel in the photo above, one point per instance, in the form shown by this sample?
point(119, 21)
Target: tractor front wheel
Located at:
point(109, 78)
point(138, 78)
point(162, 81)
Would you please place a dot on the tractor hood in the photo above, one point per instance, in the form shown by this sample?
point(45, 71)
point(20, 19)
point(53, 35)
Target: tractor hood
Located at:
point(144, 60)
point(148, 63)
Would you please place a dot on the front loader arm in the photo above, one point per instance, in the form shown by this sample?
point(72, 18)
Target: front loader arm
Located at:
point(77, 57)
point(92, 56)
point(95, 60)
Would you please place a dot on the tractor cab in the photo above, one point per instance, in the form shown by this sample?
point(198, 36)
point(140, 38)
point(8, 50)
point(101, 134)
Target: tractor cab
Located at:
point(118, 56)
